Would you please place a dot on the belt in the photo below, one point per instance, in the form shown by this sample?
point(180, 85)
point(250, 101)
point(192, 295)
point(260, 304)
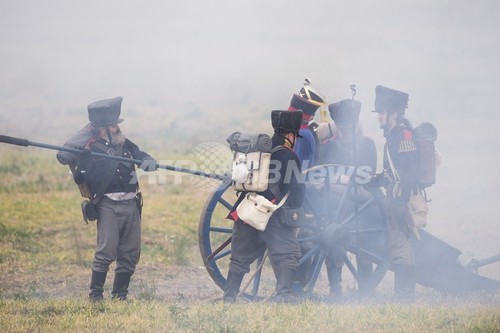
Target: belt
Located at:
point(121, 196)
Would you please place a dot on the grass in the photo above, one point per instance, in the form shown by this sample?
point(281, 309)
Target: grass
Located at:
point(158, 316)
point(46, 250)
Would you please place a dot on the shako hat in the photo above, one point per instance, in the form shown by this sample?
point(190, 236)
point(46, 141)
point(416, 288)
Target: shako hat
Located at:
point(105, 112)
point(345, 112)
point(285, 122)
point(391, 100)
point(308, 99)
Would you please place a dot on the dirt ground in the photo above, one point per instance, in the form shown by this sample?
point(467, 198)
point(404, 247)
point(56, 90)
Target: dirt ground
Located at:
point(194, 284)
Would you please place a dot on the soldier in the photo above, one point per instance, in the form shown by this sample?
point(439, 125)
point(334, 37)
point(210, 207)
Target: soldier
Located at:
point(114, 194)
point(336, 137)
point(336, 147)
point(280, 239)
point(400, 163)
point(308, 100)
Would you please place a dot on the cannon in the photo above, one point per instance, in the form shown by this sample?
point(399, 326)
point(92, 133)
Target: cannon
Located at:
point(349, 215)
point(354, 217)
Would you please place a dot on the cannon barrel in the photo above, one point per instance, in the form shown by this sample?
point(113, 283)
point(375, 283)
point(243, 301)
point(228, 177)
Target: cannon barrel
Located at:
point(25, 143)
point(437, 266)
point(475, 263)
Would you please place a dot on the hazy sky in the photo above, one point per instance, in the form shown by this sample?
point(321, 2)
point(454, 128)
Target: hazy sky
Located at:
point(187, 67)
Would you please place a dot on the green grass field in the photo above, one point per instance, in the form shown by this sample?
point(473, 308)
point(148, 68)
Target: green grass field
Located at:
point(46, 251)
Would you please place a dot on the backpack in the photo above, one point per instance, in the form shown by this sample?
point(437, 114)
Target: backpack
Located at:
point(429, 158)
point(251, 161)
point(78, 141)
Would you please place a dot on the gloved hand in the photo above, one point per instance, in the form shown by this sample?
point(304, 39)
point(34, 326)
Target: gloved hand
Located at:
point(148, 164)
point(379, 180)
point(326, 131)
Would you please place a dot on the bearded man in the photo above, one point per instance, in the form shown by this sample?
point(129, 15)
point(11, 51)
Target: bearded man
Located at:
point(114, 192)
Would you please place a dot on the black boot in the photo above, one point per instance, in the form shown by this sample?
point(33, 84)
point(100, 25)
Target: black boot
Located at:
point(284, 292)
point(97, 286)
point(404, 283)
point(335, 278)
point(301, 277)
point(232, 287)
point(120, 286)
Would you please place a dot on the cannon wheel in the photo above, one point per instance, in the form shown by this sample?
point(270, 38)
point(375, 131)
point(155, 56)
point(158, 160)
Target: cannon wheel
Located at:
point(367, 255)
point(214, 236)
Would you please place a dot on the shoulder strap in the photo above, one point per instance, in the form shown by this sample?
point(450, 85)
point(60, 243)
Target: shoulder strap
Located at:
point(275, 190)
point(282, 202)
point(393, 169)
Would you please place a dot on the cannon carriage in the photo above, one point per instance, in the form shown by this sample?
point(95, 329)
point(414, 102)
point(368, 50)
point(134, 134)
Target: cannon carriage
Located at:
point(353, 217)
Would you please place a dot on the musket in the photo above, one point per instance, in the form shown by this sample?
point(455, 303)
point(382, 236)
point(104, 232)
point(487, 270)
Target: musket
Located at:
point(26, 143)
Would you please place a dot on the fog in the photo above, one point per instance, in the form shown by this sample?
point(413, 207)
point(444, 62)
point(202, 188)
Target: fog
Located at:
point(194, 71)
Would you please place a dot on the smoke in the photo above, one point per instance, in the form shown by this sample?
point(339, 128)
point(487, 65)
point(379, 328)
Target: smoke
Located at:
point(196, 72)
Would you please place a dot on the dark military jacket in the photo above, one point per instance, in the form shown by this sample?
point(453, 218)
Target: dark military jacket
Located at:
point(403, 152)
point(109, 176)
point(335, 151)
point(288, 176)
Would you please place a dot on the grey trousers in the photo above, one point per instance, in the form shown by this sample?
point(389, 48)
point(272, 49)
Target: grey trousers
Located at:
point(399, 233)
point(246, 245)
point(118, 235)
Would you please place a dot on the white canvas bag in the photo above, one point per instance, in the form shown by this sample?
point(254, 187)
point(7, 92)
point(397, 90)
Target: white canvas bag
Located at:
point(256, 210)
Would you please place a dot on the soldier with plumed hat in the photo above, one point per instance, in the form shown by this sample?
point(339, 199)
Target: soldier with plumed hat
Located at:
point(401, 170)
point(279, 238)
point(308, 100)
point(114, 197)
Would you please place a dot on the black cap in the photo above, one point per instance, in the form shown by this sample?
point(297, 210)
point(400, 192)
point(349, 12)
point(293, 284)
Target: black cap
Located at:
point(345, 112)
point(285, 122)
point(308, 99)
point(390, 100)
point(105, 112)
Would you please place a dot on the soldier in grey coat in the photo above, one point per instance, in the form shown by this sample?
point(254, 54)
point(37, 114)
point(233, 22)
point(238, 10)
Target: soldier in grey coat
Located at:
point(115, 195)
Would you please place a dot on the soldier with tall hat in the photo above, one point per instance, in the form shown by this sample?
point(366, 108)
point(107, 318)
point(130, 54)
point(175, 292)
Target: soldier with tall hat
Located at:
point(401, 169)
point(337, 139)
point(114, 193)
point(279, 238)
point(308, 100)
